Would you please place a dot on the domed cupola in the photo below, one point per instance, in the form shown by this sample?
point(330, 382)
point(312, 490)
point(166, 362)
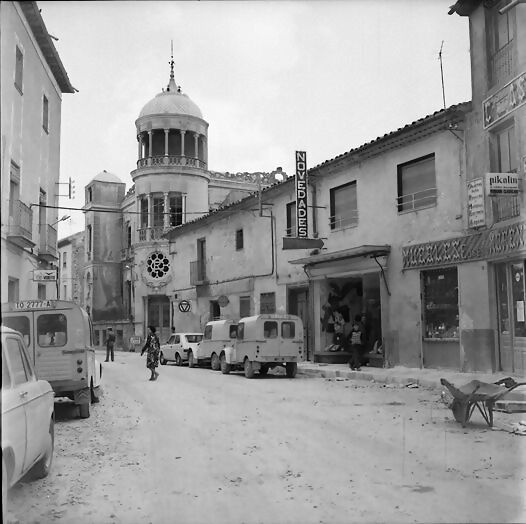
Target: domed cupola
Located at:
point(171, 131)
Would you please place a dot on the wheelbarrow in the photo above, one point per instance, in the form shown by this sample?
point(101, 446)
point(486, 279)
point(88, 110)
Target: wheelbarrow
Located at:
point(480, 395)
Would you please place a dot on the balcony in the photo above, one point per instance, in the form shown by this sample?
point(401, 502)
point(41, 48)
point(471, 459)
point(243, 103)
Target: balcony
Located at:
point(501, 64)
point(20, 225)
point(418, 200)
point(344, 220)
point(198, 272)
point(48, 243)
point(149, 234)
point(170, 160)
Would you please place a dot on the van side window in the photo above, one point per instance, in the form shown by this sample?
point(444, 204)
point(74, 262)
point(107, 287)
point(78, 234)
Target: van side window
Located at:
point(233, 331)
point(208, 332)
point(52, 330)
point(240, 330)
point(288, 329)
point(270, 329)
point(20, 324)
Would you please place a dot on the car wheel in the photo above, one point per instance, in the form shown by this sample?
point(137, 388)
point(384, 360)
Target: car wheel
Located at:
point(84, 410)
point(215, 364)
point(225, 366)
point(191, 359)
point(43, 466)
point(94, 392)
point(249, 368)
point(263, 370)
point(162, 360)
point(291, 369)
point(178, 361)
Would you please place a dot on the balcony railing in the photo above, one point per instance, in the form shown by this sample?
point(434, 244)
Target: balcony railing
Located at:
point(148, 234)
point(197, 272)
point(501, 64)
point(20, 224)
point(48, 243)
point(343, 220)
point(170, 160)
point(417, 200)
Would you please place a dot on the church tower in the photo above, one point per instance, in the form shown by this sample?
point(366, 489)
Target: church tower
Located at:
point(170, 188)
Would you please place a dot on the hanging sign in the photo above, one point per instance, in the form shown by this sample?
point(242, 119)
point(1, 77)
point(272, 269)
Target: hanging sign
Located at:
point(502, 183)
point(476, 203)
point(301, 195)
point(504, 101)
point(184, 306)
point(43, 275)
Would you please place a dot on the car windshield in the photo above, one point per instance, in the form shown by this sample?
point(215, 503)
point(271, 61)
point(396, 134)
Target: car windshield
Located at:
point(194, 338)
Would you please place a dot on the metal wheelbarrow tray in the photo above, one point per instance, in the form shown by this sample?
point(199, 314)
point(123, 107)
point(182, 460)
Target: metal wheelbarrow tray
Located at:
point(480, 395)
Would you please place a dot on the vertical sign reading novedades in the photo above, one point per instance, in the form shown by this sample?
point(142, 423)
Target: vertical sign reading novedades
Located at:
point(301, 195)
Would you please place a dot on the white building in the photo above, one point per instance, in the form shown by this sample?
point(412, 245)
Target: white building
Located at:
point(32, 82)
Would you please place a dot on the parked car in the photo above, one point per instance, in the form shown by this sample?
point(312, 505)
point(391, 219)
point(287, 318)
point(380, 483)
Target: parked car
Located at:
point(264, 342)
point(218, 334)
point(28, 418)
point(180, 348)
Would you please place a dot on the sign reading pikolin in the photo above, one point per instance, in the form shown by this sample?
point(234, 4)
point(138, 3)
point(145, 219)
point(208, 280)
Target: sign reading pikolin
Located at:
point(301, 195)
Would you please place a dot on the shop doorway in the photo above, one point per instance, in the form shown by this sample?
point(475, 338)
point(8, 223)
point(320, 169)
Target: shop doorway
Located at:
point(511, 298)
point(159, 315)
point(298, 304)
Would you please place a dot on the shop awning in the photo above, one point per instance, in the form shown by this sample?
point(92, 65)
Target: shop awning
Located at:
point(353, 252)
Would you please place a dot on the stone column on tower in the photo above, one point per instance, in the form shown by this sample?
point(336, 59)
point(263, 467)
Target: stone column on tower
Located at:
point(150, 140)
point(166, 133)
point(139, 144)
point(182, 142)
point(166, 221)
point(196, 145)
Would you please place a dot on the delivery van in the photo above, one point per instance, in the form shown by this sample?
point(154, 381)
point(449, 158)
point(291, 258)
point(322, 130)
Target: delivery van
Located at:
point(59, 338)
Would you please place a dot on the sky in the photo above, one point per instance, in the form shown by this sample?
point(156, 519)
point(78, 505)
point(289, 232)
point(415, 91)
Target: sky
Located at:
point(270, 77)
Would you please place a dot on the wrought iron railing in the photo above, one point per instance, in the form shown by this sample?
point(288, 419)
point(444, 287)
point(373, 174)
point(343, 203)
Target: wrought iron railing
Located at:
point(48, 240)
point(21, 220)
point(197, 272)
point(148, 234)
point(417, 200)
point(171, 160)
point(343, 220)
point(290, 232)
point(501, 64)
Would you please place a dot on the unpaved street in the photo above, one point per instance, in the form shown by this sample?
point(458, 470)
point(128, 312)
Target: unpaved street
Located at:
point(200, 447)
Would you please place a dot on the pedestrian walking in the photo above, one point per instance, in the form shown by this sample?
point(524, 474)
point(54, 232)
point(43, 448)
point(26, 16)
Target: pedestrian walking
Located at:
point(356, 338)
point(110, 343)
point(153, 348)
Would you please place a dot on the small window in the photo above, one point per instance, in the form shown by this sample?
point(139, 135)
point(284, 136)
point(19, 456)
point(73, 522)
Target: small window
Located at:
point(267, 303)
point(176, 209)
point(17, 366)
point(270, 329)
point(90, 238)
point(288, 330)
point(45, 113)
point(13, 289)
point(208, 332)
point(89, 194)
point(177, 339)
point(232, 332)
point(158, 211)
point(241, 331)
point(41, 291)
point(344, 206)
point(20, 324)
point(239, 239)
point(291, 220)
point(417, 184)
point(19, 69)
point(52, 330)
point(244, 307)
point(64, 259)
point(193, 339)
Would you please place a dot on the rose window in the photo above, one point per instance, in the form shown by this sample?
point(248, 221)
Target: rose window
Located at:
point(157, 265)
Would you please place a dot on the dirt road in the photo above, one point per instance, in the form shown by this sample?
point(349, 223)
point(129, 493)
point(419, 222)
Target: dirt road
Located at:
point(200, 447)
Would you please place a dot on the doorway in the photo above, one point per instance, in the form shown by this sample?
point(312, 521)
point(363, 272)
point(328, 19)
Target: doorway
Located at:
point(511, 299)
point(159, 315)
point(299, 306)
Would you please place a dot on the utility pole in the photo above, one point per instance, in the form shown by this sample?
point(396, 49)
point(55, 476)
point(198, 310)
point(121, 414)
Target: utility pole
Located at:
point(442, 73)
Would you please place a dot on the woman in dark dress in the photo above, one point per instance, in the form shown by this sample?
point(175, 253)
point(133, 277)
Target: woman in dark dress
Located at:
point(152, 347)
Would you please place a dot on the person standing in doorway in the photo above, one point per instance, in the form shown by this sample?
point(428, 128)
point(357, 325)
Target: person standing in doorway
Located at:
point(152, 347)
point(356, 337)
point(110, 343)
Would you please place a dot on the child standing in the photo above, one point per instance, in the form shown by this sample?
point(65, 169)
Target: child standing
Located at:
point(356, 337)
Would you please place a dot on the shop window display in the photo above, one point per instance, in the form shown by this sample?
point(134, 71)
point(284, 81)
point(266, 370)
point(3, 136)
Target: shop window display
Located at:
point(441, 320)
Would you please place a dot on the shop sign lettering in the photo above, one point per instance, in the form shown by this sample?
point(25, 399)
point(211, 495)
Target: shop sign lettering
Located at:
point(504, 101)
point(476, 203)
point(468, 248)
point(502, 183)
point(301, 194)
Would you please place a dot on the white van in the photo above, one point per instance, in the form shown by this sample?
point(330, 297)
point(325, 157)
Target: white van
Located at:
point(264, 342)
point(218, 335)
point(59, 339)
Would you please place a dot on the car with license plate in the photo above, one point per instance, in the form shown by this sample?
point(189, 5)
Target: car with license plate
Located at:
point(264, 342)
point(59, 338)
point(180, 348)
point(218, 334)
point(28, 419)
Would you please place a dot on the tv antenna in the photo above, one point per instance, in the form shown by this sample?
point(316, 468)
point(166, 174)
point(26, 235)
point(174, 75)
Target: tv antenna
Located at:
point(442, 73)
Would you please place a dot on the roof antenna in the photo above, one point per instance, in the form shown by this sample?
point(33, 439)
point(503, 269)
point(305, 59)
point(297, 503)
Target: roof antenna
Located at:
point(171, 83)
point(442, 73)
